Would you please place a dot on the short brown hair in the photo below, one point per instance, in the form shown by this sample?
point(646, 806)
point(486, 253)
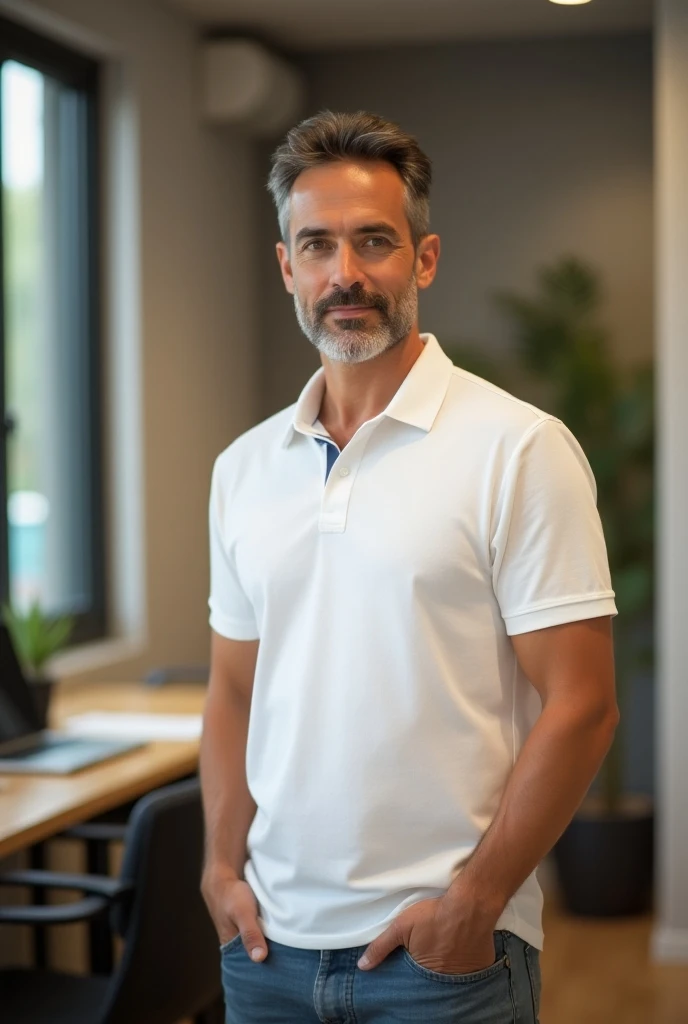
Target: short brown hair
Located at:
point(328, 136)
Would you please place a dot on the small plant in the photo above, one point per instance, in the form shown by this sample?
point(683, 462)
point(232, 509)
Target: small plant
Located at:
point(36, 637)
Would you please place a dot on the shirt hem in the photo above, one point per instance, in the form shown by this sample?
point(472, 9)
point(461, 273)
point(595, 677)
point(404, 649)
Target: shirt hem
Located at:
point(509, 921)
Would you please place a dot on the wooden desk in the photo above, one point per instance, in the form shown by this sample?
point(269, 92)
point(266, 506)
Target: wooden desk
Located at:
point(34, 807)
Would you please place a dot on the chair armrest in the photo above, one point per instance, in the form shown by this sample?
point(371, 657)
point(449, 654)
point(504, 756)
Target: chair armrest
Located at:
point(98, 885)
point(101, 831)
point(56, 913)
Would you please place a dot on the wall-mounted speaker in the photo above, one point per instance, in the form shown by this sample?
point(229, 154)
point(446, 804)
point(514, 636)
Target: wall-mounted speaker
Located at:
point(246, 85)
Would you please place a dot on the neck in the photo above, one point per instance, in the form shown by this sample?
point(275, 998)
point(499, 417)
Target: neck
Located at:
point(356, 392)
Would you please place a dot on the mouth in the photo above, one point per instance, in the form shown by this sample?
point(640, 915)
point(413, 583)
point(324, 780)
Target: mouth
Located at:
point(349, 310)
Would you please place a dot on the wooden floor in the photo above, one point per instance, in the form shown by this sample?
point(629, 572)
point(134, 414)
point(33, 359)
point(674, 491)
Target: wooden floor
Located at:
point(597, 971)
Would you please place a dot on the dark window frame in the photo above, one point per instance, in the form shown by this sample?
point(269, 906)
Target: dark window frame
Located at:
point(21, 44)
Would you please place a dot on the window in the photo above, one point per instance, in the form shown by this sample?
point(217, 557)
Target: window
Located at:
point(51, 530)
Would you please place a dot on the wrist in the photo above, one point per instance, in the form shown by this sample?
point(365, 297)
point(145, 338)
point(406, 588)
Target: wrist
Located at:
point(215, 868)
point(482, 906)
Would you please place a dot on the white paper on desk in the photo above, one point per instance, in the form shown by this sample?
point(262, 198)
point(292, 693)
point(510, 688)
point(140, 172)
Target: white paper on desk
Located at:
point(134, 725)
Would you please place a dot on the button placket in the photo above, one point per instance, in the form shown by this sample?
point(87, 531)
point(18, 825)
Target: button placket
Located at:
point(335, 501)
point(337, 492)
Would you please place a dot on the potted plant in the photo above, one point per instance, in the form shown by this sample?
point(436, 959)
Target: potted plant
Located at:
point(36, 637)
point(604, 858)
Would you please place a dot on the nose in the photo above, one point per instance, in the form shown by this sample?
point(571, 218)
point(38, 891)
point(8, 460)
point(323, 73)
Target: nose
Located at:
point(346, 271)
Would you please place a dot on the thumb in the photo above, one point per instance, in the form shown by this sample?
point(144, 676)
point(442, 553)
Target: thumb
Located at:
point(253, 939)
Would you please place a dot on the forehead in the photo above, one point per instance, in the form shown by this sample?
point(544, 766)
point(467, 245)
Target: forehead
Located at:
point(336, 194)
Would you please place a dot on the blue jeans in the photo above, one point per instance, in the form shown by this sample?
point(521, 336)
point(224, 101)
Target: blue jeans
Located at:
point(313, 986)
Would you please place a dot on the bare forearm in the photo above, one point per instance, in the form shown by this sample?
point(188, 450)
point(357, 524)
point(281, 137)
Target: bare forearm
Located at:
point(551, 776)
point(228, 806)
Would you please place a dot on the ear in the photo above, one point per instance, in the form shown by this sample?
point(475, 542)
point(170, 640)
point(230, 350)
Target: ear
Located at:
point(285, 266)
point(426, 260)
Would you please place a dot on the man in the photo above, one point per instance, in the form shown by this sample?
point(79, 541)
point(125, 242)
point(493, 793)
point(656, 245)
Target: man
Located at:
point(412, 681)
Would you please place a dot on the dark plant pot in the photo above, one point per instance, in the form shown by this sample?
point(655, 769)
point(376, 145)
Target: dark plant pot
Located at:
point(41, 689)
point(605, 861)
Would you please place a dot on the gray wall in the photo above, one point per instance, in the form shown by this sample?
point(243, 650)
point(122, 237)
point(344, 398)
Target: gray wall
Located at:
point(539, 148)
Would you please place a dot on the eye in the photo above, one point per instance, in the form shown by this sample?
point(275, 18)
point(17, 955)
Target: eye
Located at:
point(316, 241)
point(377, 238)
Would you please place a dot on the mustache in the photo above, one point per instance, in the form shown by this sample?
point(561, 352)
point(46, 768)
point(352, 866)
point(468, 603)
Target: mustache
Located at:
point(351, 297)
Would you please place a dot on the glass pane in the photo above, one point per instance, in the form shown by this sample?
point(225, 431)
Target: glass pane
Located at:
point(46, 340)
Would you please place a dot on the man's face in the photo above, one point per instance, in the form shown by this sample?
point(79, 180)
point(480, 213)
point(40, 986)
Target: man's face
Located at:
point(351, 265)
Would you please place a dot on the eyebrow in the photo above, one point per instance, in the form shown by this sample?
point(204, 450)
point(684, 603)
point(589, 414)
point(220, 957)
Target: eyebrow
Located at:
point(381, 227)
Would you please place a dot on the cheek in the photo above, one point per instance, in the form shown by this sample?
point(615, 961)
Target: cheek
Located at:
point(311, 287)
point(393, 277)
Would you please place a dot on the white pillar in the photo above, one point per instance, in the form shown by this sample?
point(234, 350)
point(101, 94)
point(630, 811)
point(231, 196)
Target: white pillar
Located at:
point(670, 937)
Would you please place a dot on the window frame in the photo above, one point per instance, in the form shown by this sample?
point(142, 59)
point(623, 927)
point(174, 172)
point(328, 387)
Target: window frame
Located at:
point(73, 69)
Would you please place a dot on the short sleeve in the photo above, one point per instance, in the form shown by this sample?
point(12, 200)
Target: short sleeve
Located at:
point(550, 562)
point(231, 613)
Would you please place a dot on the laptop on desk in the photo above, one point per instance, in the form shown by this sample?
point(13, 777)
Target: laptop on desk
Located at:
point(27, 749)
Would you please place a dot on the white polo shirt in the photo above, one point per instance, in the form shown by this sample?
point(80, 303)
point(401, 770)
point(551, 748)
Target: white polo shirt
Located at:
point(388, 706)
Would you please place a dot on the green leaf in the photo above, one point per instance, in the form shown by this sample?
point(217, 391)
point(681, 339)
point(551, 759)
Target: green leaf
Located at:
point(35, 636)
point(633, 588)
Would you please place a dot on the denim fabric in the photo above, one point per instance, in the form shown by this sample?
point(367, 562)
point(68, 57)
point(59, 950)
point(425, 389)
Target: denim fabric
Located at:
point(312, 986)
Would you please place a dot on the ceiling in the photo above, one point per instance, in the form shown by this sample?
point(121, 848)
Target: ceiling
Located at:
point(328, 24)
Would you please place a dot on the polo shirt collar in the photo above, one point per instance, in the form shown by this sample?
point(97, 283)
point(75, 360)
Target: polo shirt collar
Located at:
point(416, 402)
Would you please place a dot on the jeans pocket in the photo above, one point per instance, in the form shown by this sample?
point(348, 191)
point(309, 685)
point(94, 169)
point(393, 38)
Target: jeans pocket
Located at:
point(457, 979)
point(230, 944)
point(533, 964)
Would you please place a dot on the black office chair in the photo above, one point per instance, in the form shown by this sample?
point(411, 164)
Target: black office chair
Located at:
point(170, 967)
point(102, 831)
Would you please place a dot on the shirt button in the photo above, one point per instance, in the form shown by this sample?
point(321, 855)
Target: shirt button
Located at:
point(344, 471)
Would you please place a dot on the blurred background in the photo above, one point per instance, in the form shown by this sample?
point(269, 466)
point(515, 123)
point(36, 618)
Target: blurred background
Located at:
point(145, 325)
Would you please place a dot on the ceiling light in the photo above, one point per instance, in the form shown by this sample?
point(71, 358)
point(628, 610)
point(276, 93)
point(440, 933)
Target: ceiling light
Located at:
point(570, 2)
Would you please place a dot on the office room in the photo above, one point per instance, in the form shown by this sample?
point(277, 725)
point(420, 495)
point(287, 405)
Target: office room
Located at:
point(192, 191)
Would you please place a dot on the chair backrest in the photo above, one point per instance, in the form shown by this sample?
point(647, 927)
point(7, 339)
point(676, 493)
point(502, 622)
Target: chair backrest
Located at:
point(170, 968)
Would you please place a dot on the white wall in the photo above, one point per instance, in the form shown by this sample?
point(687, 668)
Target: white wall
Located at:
point(540, 148)
point(180, 336)
point(670, 939)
